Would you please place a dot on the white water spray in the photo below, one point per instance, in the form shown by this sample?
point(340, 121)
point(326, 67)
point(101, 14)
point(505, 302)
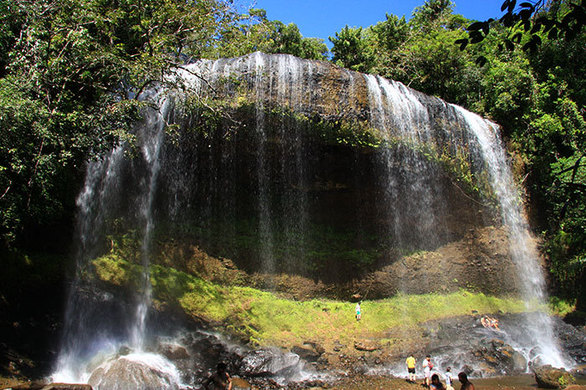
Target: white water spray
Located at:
point(82, 349)
point(522, 247)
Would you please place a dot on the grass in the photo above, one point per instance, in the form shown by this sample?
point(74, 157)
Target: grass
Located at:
point(263, 318)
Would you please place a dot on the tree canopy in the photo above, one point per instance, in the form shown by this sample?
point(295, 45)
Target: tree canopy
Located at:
point(71, 74)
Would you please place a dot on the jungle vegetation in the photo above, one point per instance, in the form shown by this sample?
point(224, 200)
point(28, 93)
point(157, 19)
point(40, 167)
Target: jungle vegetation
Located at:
point(71, 72)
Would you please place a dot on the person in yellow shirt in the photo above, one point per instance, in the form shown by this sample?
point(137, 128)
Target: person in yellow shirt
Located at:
point(411, 368)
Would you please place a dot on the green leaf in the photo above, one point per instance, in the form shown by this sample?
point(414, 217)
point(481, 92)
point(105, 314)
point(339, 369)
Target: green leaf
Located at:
point(462, 42)
point(481, 61)
point(475, 26)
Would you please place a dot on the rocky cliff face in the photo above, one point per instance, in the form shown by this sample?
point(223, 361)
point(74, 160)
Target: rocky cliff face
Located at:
point(288, 166)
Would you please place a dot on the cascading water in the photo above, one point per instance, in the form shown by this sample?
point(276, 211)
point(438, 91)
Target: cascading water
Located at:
point(400, 115)
point(399, 112)
point(522, 248)
point(275, 195)
point(88, 338)
point(152, 143)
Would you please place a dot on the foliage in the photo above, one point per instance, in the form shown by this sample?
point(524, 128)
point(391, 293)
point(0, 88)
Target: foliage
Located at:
point(420, 53)
point(70, 87)
point(351, 49)
point(529, 22)
point(534, 89)
point(254, 32)
point(433, 13)
point(72, 75)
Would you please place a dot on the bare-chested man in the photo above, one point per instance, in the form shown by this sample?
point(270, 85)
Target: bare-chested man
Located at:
point(466, 384)
point(220, 380)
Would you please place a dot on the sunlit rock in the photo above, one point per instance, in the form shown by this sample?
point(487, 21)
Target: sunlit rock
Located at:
point(136, 371)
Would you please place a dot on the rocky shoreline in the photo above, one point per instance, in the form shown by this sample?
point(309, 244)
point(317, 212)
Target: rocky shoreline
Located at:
point(358, 382)
point(459, 342)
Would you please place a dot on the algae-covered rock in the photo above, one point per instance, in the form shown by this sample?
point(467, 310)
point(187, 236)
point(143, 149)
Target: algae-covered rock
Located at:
point(552, 378)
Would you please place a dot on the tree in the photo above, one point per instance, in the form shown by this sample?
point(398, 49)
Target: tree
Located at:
point(432, 12)
point(528, 22)
point(391, 33)
point(254, 32)
point(70, 80)
point(351, 49)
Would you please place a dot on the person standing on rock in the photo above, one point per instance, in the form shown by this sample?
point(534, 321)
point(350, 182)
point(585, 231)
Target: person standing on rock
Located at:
point(220, 380)
point(427, 366)
point(466, 384)
point(411, 368)
point(449, 379)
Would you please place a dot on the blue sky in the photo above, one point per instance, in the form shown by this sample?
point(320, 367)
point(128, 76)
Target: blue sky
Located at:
point(323, 18)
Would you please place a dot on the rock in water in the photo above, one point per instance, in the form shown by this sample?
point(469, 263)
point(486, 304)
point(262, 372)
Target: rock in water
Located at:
point(136, 371)
point(268, 362)
point(552, 378)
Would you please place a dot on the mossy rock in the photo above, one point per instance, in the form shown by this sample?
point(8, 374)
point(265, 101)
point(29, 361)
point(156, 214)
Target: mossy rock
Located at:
point(549, 377)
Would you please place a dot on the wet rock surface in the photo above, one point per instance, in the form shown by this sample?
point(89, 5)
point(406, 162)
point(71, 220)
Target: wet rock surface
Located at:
point(309, 352)
point(464, 344)
point(572, 339)
point(43, 385)
point(126, 373)
point(267, 362)
point(549, 377)
point(460, 342)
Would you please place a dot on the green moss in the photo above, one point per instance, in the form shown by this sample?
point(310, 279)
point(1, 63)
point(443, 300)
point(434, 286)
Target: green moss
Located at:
point(115, 270)
point(561, 307)
point(264, 318)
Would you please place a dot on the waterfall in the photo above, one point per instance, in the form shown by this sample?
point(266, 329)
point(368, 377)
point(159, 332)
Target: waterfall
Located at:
point(399, 112)
point(272, 191)
point(94, 327)
point(257, 66)
point(400, 115)
point(152, 141)
point(522, 247)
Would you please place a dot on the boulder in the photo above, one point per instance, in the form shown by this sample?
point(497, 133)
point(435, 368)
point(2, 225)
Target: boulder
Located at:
point(366, 346)
point(501, 357)
point(128, 372)
point(552, 378)
point(310, 351)
point(50, 386)
point(268, 362)
point(174, 351)
point(240, 384)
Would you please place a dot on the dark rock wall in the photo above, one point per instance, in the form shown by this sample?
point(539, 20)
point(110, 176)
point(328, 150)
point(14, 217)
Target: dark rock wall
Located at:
point(301, 167)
